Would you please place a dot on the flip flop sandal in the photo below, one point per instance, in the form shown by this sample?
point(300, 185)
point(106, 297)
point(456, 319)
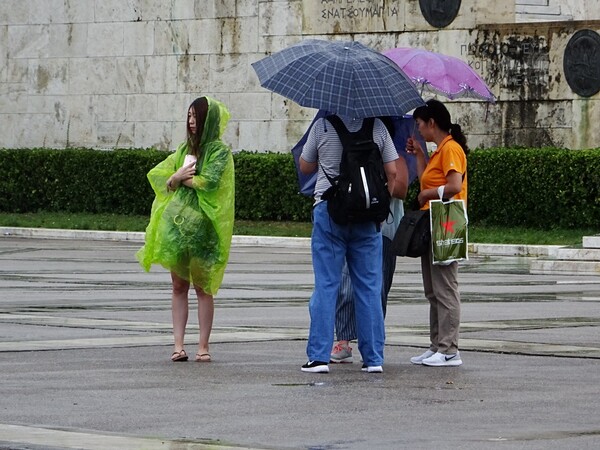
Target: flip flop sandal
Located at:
point(203, 357)
point(179, 356)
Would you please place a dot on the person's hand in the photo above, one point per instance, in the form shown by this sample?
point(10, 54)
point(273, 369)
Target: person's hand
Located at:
point(413, 147)
point(184, 173)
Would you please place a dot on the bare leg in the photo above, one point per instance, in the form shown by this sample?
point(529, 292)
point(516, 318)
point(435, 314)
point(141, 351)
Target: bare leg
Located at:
point(206, 312)
point(179, 304)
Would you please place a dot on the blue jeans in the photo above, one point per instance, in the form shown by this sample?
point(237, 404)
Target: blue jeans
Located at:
point(360, 245)
point(345, 319)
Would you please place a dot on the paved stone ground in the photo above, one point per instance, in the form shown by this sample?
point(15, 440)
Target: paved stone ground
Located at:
point(85, 339)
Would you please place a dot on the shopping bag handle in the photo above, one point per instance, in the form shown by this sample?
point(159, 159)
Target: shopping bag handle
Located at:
point(440, 191)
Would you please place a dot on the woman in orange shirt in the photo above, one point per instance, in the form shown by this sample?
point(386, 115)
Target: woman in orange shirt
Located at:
point(444, 176)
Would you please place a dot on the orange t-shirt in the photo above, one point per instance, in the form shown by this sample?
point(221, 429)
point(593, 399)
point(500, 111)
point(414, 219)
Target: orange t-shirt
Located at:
point(448, 156)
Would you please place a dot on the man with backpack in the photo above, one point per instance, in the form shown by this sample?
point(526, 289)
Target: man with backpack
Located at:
point(400, 129)
point(347, 218)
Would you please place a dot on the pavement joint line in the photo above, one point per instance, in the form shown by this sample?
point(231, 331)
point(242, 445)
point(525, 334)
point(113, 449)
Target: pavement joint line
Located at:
point(129, 325)
point(217, 337)
point(503, 347)
point(47, 437)
point(244, 241)
point(75, 322)
point(395, 336)
point(225, 337)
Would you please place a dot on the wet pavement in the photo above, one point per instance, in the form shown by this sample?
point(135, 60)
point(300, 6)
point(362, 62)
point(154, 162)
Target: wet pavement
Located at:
point(85, 337)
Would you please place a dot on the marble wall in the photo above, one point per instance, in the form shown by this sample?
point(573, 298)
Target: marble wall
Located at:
point(121, 73)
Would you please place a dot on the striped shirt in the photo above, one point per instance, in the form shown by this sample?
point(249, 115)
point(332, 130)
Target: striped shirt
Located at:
point(324, 147)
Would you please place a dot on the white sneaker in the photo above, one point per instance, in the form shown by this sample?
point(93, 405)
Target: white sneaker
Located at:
point(442, 360)
point(372, 369)
point(419, 359)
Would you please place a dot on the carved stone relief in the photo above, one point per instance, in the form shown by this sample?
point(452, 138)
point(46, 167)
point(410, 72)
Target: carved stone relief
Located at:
point(581, 63)
point(439, 13)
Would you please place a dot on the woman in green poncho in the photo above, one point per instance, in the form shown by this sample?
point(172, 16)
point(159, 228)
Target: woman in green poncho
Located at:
point(191, 222)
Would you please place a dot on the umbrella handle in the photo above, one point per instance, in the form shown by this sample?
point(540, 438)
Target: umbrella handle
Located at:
point(412, 135)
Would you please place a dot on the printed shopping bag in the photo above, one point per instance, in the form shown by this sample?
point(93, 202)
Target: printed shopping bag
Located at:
point(449, 237)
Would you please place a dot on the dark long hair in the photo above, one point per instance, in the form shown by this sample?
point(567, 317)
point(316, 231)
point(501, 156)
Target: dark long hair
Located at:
point(434, 109)
point(200, 107)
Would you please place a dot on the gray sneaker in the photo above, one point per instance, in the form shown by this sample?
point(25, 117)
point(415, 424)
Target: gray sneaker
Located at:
point(341, 354)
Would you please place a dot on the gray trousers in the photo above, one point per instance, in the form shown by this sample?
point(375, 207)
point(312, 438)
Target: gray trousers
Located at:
point(441, 289)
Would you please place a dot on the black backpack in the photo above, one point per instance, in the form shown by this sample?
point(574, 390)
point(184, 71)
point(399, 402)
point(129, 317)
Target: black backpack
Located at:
point(359, 193)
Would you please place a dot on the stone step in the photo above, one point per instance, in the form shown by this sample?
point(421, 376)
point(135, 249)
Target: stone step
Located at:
point(591, 241)
point(564, 267)
point(574, 254)
point(570, 261)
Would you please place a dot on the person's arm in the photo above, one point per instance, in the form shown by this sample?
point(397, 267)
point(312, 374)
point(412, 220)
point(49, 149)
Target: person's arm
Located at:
point(390, 172)
point(160, 174)
point(389, 153)
point(452, 187)
point(453, 184)
point(310, 151)
point(307, 167)
point(182, 176)
point(401, 180)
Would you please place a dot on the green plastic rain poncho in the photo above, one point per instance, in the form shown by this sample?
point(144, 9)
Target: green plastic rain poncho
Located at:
point(190, 229)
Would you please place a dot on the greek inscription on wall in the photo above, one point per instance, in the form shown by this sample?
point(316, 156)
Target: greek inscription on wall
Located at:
point(351, 16)
point(517, 63)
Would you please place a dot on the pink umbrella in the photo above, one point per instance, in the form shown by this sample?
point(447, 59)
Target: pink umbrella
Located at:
point(440, 74)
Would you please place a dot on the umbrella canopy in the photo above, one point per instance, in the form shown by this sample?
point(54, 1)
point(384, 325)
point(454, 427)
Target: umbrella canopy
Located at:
point(344, 77)
point(441, 74)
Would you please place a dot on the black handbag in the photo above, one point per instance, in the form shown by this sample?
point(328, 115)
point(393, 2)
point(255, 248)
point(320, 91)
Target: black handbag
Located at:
point(413, 235)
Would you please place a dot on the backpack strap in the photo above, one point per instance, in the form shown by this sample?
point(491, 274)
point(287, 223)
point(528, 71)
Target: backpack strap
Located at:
point(346, 137)
point(332, 180)
point(367, 127)
point(340, 129)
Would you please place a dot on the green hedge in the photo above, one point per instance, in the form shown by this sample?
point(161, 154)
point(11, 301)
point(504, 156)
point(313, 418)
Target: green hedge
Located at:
point(266, 188)
point(76, 180)
point(83, 180)
point(542, 188)
point(539, 188)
